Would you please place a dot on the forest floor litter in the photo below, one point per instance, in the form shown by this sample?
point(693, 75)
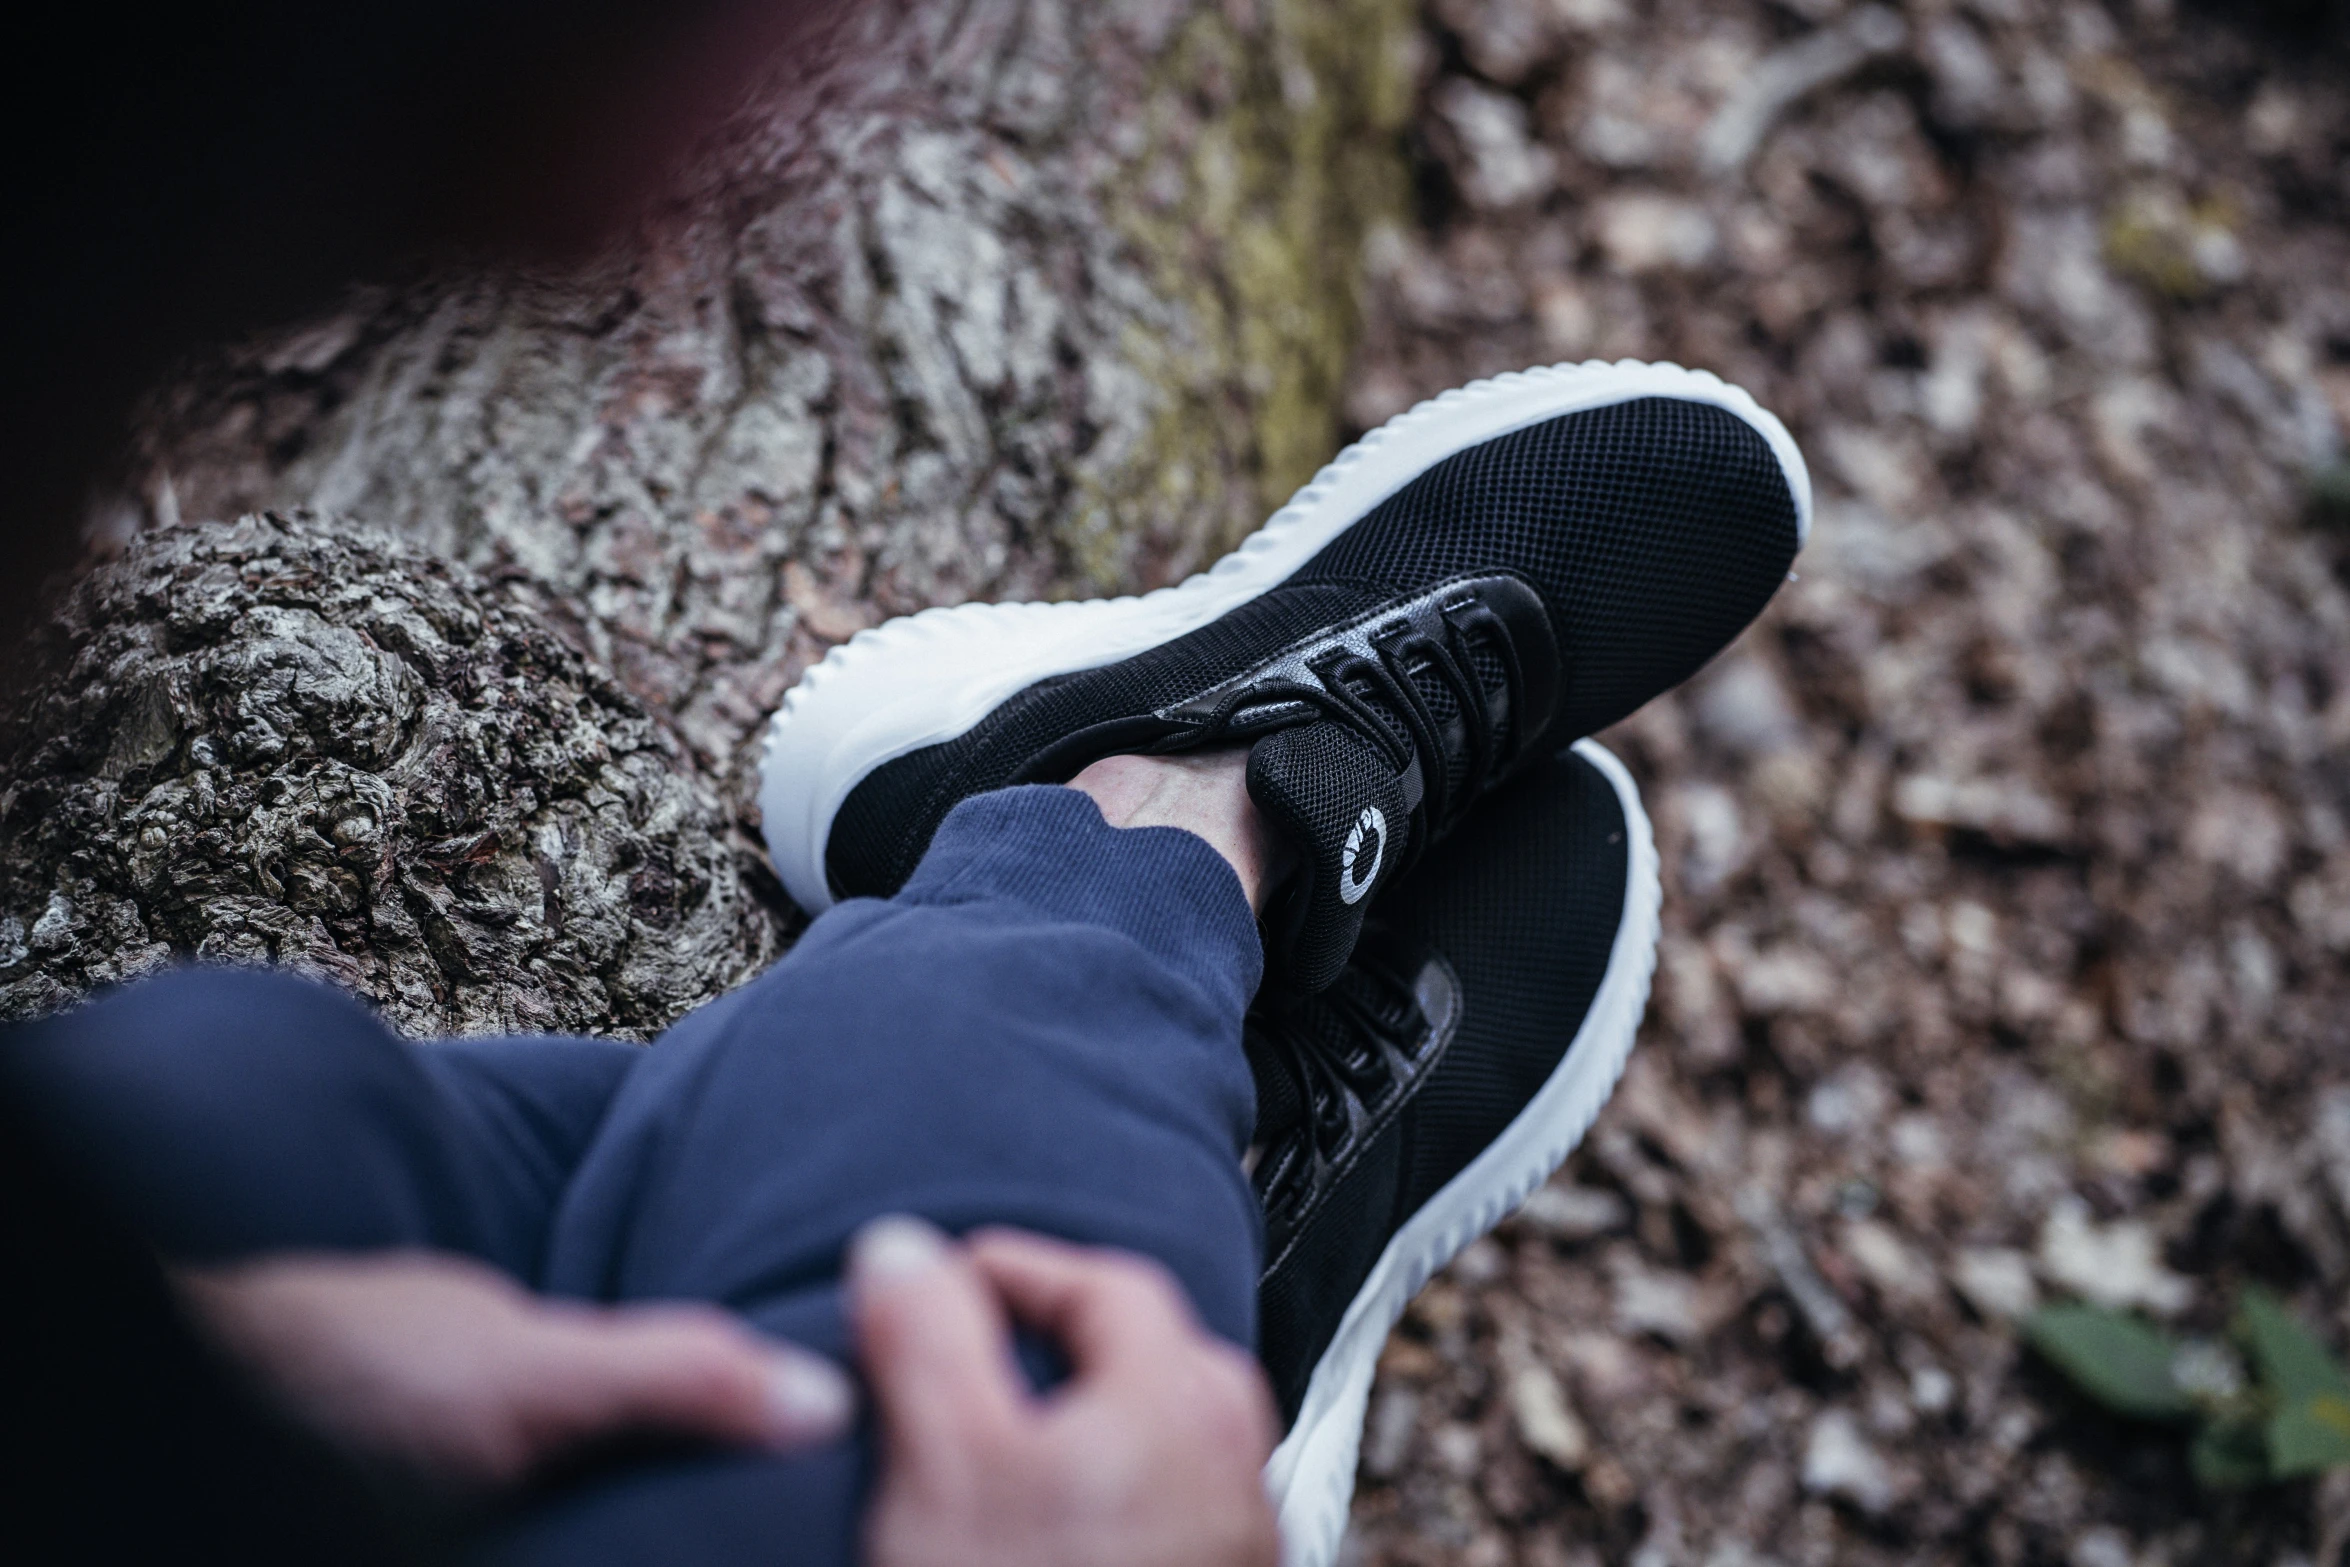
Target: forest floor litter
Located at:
point(2007, 918)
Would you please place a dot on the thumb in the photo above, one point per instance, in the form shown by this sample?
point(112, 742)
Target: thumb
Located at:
point(935, 1345)
point(687, 1369)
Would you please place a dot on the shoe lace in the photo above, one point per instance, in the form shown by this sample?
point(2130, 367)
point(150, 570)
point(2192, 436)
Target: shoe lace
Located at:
point(1326, 1064)
point(1387, 699)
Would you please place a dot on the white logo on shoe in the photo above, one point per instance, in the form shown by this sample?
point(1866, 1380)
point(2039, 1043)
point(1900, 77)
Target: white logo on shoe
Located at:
point(1366, 846)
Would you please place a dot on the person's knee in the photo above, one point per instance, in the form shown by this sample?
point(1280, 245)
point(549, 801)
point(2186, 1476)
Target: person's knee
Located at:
point(224, 1108)
point(199, 999)
point(203, 1024)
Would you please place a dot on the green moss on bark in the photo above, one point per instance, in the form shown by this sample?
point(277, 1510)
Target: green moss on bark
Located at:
point(1273, 145)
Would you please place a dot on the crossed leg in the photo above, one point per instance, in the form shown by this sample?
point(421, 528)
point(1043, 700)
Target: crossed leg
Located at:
point(1042, 1029)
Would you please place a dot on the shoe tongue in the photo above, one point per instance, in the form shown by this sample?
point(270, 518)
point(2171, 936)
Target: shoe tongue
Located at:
point(1443, 704)
point(1333, 795)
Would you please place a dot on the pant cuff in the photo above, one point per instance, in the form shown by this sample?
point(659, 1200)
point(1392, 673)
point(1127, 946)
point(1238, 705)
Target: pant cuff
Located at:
point(1048, 849)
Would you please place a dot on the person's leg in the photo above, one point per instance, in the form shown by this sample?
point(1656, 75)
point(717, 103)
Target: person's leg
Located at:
point(1042, 1029)
point(234, 1111)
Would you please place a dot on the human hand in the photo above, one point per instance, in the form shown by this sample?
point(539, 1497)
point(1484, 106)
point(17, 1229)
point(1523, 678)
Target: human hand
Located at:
point(448, 1366)
point(1150, 1455)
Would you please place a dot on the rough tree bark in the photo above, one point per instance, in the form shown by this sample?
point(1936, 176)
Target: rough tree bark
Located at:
point(979, 298)
point(284, 739)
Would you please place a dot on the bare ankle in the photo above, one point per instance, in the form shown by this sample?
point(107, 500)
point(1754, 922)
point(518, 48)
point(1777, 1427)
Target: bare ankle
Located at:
point(1203, 793)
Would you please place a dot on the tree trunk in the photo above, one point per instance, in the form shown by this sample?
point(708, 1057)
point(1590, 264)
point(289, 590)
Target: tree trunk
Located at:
point(998, 298)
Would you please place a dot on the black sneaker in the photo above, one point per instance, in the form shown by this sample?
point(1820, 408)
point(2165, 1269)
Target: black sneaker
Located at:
point(1526, 559)
point(1463, 1053)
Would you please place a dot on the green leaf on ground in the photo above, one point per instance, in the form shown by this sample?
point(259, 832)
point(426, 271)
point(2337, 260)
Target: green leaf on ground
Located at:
point(2292, 1363)
point(2229, 1455)
point(2329, 496)
point(2309, 1436)
point(2117, 1359)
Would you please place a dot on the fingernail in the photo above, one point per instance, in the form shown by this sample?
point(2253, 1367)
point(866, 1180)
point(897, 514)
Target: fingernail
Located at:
point(808, 1400)
point(895, 1246)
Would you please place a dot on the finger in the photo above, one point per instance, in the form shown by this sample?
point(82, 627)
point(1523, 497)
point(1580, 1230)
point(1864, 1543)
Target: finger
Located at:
point(934, 1343)
point(1108, 1310)
point(1133, 1338)
point(689, 1370)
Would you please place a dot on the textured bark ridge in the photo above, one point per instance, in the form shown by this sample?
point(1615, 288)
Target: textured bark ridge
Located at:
point(1000, 298)
point(283, 740)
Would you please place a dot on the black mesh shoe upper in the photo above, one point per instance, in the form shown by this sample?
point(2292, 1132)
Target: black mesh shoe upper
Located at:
point(1651, 531)
point(1369, 742)
point(1472, 976)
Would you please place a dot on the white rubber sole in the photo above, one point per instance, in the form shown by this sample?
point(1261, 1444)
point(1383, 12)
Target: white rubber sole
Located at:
point(1311, 1477)
point(926, 678)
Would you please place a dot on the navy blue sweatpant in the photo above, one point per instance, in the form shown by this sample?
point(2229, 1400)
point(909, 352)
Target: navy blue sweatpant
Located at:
point(1043, 1029)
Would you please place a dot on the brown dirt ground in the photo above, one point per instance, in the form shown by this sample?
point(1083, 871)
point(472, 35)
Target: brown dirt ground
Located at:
point(2007, 941)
